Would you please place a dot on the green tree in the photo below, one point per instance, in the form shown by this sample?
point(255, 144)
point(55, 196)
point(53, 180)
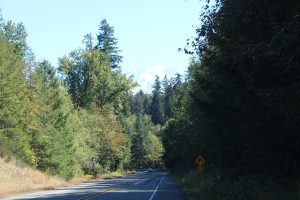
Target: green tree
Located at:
point(242, 82)
point(16, 35)
point(88, 41)
point(107, 44)
point(146, 149)
point(168, 91)
point(80, 73)
point(154, 150)
point(156, 107)
point(90, 80)
point(53, 142)
point(176, 132)
point(137, 137)
point(13, 103)
point(241, 114)
point(100, 144)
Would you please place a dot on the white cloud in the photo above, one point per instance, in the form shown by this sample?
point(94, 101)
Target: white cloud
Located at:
point(145, 76)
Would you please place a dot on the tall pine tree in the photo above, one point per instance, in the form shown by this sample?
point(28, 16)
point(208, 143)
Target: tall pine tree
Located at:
point(107, 43)
point(156, 107)
point(53, 140)
point(14, 137)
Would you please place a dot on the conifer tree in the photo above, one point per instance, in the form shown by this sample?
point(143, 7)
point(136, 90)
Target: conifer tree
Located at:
point(156, 107)
point(13, 103)
point(107, 44)
point(53, 141)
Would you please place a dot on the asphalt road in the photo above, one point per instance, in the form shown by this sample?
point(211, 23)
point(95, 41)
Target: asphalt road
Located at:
point(140, 186)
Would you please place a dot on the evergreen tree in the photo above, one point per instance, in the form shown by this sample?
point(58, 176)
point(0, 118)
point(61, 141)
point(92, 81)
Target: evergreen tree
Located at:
point(167, 97)
point(156, 107)
point(89, 42)
point(177, 81)
point(240, 87)
point(147, 103)
point(53, 142)
point(16, 35)
point(147, 149)
point(107, 44)
point(14, 101)
point(235, 110)
point(138, 151)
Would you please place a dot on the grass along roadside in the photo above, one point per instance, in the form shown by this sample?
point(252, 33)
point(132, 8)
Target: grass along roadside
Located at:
point(116, 174)
point(189, 184)
point(210, 186)
point(17, 179)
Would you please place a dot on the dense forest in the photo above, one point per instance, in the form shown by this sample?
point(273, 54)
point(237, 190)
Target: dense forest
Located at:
point(79, 119)
point(238, 106)
point(241, 110)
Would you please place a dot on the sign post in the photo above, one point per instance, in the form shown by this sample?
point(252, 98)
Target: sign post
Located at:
point(200, 163)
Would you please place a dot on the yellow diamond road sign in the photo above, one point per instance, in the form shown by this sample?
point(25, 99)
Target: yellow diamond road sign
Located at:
point(200, 160)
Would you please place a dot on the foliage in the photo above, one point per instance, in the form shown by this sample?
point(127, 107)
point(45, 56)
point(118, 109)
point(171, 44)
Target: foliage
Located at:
point(107, 44)
point(209, 186)
point(154, 150)
point(39, 124)
point(13, 103)
point(90, 80)
point(238, 107)
point(52, 139)
point(239, 113)
point(242, 85)
point(15, 35)
point(156, 106)
point(100, 143)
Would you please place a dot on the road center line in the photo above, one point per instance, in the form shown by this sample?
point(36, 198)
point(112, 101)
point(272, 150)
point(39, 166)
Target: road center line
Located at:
point(157, 187)
point(109, 189)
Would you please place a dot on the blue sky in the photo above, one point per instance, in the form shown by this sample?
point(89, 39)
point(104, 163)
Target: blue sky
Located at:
point(149, 32)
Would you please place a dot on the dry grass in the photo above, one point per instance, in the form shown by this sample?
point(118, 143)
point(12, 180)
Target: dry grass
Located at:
point(111, 175)
point(16, 179)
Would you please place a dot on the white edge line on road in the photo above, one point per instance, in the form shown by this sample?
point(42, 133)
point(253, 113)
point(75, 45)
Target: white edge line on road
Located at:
point(156, 187)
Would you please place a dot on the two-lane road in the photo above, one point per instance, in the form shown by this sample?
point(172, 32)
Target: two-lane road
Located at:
point(140, 186)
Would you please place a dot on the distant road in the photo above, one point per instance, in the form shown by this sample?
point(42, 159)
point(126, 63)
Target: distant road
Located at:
point(141, 186)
